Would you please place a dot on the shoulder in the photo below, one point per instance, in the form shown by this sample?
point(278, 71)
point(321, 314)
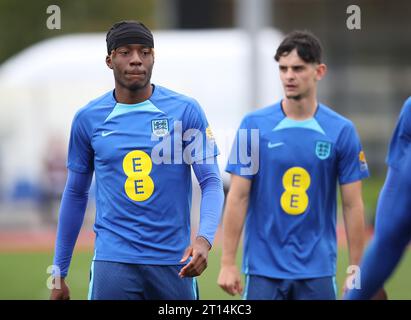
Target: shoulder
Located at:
point(163, 94)
point(404, 119)
point(333, 122)
point(406, 108)
point(328, 114)
point(179, 105)
point(87, 111)
point(407, 104)
point(269, 113)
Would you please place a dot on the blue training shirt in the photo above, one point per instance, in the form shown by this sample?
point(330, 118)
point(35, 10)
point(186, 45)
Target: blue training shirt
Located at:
point(141, 155)
point(290, 228)
point(401, 138)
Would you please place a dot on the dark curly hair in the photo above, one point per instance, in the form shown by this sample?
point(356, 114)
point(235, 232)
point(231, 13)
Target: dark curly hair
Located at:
point(307, 45)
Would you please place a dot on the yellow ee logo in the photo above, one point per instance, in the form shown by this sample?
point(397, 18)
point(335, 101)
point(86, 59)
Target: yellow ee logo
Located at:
point(296, 181)
point(137, 166)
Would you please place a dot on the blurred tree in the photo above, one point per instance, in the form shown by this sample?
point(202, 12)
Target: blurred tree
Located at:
point(23, 23)
point(205, 14)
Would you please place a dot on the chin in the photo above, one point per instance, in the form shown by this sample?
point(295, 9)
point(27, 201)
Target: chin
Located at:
point(294, 97)
point(137, 86)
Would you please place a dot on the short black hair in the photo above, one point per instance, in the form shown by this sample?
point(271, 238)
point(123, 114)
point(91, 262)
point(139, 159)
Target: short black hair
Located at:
point(307, 45)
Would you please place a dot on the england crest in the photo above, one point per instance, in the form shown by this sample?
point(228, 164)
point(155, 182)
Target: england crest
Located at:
point(323, 149)
point(159, 127)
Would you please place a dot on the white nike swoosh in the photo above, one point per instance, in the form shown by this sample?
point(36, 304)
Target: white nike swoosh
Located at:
point(274, 145)
point(106, 133)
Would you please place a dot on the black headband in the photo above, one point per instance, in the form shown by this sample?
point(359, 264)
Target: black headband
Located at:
point(128, 32)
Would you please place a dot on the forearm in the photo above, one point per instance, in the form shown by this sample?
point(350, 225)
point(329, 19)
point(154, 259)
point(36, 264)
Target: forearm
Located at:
point(355, 231)
point(212, 199)
point(71, 216)
point(233, 222)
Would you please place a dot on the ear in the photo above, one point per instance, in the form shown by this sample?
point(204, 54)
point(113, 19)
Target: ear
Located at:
point(109, 61)
point(321, 71)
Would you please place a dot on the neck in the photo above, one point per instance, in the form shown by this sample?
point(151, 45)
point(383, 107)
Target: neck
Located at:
point(299, 109)
point(126, 96)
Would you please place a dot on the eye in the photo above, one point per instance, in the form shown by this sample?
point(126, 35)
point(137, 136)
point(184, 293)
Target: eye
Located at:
point(283, 69)
point(146, 52)
point(123, 52)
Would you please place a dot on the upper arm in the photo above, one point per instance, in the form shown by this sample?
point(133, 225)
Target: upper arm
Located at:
point(197, 136)
point(244, 156)
point(352, 165)
point(78, 183)
point(80, 153)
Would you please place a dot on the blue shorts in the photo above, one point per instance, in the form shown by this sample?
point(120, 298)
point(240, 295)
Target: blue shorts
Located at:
point(264, 288)
point(122, 281)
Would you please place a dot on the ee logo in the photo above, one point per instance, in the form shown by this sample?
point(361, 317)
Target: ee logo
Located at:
point(294, 199)
point(137, 166)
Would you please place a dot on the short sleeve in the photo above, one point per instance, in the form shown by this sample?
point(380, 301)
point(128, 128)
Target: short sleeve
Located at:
point(199, 141)
point(80, 153)
point(352, 164)
point(244, 156)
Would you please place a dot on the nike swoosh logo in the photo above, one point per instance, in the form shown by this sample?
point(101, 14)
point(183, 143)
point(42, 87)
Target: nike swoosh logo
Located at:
point(274, 145)
point(106, 133)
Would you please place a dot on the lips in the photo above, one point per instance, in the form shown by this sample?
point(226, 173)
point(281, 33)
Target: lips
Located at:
point(135, 73)
point(291, 87)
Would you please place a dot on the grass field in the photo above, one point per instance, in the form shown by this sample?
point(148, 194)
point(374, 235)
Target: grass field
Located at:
point(23, 276)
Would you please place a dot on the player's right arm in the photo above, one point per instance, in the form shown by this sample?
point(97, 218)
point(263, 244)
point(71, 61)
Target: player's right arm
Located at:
point(229, 278)
point(391, 237)
point(71, 216)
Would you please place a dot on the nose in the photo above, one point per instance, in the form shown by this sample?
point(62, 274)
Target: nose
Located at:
point(135, 58)
point(289, 74)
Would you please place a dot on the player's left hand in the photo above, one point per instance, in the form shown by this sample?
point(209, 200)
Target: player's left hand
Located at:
point(381, 294)
point(199, 251)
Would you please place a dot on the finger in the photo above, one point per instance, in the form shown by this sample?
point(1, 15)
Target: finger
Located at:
point(227, 287)
point(232, 290)
point(239, 288)
point(183, 271)
point(188, 269)
point(187, 254)
point(197, 265)
point(56, 295)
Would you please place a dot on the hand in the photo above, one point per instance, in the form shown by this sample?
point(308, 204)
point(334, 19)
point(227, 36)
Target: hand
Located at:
point(381, 294)
point(60, 294)
point(199, 251)
point(229, 280)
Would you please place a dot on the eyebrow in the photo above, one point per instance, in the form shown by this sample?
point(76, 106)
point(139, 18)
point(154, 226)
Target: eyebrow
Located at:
point(292, 66)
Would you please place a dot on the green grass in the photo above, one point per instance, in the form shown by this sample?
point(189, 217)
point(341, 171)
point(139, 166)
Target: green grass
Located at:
point(23, 276)
point(371, 191)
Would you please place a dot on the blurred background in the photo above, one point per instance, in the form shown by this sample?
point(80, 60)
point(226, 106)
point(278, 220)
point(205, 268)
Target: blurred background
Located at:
point(218, 51)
